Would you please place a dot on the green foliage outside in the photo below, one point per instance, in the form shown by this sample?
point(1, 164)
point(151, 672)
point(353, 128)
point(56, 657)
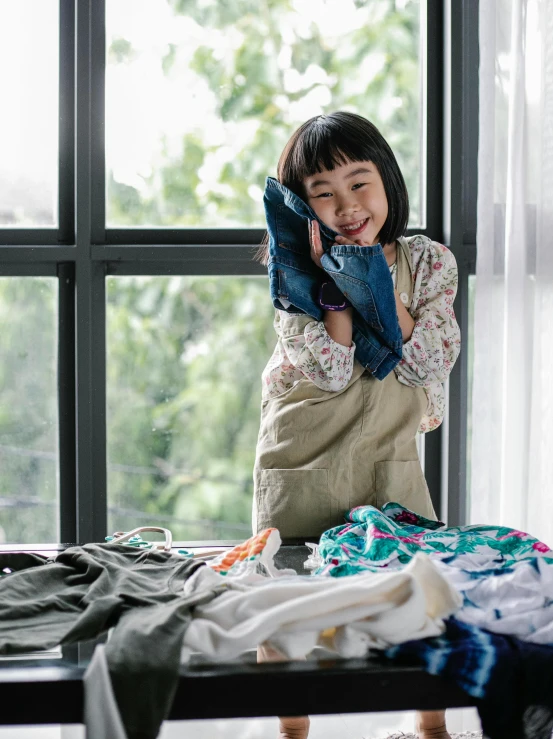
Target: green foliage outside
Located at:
point(184, 361)
point(372, 70)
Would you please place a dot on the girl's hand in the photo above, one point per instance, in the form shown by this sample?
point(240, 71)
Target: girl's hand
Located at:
point(317, 246)
point(316, 243)
point(343, 240)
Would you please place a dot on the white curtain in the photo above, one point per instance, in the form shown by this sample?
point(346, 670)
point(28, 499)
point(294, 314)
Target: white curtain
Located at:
point(511, 476)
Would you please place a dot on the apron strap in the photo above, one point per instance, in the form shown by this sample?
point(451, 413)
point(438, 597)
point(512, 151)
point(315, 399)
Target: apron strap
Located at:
point(404, 271)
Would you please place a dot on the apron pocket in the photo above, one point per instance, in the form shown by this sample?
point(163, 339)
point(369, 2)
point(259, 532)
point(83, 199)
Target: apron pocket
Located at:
point(403, 483)
point(296, 502)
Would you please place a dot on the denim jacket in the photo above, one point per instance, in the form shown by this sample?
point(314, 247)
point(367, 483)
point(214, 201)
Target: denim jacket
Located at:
point(360, 272)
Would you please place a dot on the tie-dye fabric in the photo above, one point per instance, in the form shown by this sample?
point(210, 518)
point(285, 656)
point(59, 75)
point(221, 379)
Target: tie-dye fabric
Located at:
point(505, 576)
point(510, 680)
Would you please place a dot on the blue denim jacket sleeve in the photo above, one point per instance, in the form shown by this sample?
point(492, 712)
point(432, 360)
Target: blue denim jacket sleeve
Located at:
point(363, 276)
point(293, 276)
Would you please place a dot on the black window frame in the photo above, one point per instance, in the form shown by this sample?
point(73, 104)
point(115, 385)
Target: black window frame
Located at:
point(82, 252)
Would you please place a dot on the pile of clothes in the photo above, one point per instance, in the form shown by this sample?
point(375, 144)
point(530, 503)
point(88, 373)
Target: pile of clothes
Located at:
point(472, 603)
point(498, 645)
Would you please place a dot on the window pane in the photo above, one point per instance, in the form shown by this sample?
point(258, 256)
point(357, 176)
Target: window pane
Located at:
point(202, 97)
point(29, 60)
point(185, 356)
point(28, 410)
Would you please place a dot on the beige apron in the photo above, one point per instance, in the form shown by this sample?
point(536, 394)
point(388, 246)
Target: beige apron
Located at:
point(321, 453)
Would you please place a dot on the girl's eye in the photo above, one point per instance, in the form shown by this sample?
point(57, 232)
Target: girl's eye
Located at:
point(358, 185)
point(324, 195)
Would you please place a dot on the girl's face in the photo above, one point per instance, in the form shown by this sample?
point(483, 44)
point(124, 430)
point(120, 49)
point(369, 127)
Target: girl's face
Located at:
point(349, 199)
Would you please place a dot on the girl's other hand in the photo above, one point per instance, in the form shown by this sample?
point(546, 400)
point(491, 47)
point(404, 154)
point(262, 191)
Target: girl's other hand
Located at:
point(316, 243)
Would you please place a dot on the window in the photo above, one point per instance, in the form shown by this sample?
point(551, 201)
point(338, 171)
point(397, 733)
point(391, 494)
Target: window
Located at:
point(144, 259)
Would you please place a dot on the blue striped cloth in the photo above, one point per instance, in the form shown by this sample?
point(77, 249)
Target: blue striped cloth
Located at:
point(511, 680)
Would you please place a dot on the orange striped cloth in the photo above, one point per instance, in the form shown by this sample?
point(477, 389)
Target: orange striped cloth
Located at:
point(253, 556)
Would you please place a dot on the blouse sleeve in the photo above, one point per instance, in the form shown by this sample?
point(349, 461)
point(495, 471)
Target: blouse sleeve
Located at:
point(322, 360)
point(430, 353)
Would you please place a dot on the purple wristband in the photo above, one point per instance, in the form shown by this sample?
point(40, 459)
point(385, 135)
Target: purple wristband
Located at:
point(330, 298)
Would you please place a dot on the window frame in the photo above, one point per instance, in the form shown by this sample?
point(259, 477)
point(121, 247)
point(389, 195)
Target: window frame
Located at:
point(82, 252)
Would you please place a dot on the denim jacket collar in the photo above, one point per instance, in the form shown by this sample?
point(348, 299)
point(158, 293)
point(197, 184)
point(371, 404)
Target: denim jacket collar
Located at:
point(295, 203)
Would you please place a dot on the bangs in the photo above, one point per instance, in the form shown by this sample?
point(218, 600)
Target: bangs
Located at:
point(322, 144)
point(322, 149)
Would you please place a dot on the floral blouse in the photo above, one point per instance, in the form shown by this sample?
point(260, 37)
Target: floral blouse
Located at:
point(428, 356)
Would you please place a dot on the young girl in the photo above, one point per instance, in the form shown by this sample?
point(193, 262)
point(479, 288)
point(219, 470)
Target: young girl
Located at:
point(332, 435)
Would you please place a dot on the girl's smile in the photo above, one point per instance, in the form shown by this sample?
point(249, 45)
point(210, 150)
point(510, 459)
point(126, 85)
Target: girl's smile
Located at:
point(353, 229)
point(350, 199)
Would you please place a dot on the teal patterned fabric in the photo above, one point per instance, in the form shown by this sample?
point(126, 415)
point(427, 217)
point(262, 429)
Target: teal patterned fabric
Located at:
point(374, 539)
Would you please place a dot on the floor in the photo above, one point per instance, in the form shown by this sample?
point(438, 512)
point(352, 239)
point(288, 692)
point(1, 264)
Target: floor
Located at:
point(343, 726)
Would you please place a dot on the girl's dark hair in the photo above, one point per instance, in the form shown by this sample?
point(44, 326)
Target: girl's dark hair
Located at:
point(328, 141)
